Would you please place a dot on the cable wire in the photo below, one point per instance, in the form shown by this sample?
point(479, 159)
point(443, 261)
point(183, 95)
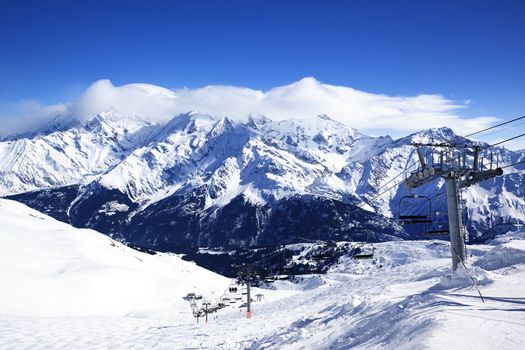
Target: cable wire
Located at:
point(484, 148)
point(507, 140)
point(495, 126)
point(509, 165)
point(385, 191)
point(503, 129)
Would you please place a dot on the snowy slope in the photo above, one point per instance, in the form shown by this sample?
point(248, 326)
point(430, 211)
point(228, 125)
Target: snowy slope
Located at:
point(49, 268)
point(409, 302)
point(78, 289)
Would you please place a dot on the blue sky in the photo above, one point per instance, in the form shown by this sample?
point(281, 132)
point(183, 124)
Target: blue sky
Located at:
point(51, 51)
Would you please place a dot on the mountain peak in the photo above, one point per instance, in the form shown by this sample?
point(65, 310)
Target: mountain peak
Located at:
point(256, 121)
point(112, 121)
point(325, 117)
point(442, 134)
point(61, 122)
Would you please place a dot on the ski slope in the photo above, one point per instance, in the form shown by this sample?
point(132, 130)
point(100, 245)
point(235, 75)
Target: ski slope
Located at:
point(53, 269)
point(65, 288)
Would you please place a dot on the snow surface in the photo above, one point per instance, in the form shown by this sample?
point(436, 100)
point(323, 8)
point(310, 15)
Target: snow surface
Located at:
point(53, 269)
point(77, 289)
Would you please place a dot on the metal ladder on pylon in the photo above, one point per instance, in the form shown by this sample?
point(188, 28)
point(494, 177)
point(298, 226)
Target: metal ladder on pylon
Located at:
point(462, 208)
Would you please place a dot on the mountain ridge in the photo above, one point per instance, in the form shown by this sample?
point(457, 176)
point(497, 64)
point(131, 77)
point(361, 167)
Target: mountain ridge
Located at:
point(125, 162)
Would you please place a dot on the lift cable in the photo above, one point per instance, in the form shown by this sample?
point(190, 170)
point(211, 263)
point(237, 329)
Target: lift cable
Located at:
point(506, 128)
point(507, 166)
point(495, 126)
point(486, 147)
point(507, 140)
point(382, 193)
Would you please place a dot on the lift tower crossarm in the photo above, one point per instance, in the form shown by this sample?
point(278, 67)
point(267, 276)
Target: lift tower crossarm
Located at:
point(475, 177)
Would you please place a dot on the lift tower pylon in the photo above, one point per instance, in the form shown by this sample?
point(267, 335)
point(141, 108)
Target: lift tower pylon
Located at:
point(455, 224)
point(247, 274)
point(459, 172)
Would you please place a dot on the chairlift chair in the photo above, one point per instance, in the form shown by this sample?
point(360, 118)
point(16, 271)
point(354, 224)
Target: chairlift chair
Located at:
point(364, 252)
point(190, 296)
point(363, 256)
point(437, 232)
point(408, 219)
point(318, 257)
point(282, 277)
point(438, 227)
point(315, 271)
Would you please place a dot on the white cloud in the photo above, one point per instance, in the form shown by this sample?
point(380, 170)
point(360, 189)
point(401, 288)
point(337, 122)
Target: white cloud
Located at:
point(305, 98)
point(27, 115)
point(308, 97)
point(144, 100)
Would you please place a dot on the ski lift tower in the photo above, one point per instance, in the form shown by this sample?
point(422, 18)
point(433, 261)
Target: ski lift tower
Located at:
point(247, 274)
point(461, 166)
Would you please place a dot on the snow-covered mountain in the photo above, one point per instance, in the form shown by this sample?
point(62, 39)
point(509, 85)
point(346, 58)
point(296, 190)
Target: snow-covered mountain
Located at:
point(75, 155)
point(198, 180)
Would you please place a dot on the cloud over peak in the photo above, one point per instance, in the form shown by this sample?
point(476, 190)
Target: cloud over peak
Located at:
point(302, 99)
